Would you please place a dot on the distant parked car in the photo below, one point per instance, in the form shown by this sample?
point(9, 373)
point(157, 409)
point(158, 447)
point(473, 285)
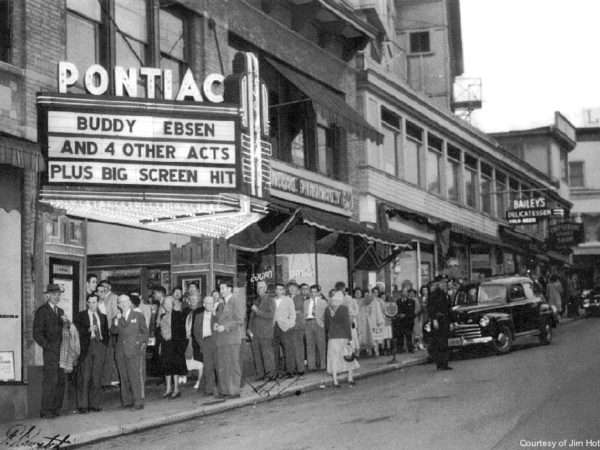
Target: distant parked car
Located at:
point(496, 312)
point(591, 302)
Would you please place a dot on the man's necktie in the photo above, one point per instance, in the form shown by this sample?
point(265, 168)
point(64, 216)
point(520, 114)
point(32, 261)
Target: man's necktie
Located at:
point(95, 323)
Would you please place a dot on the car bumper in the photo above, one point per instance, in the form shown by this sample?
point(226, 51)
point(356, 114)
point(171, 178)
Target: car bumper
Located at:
point(462, 342)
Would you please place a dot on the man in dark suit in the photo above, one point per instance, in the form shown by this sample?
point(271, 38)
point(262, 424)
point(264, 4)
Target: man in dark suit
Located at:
point(229, 333)
point(261, 333)
point(439, 309)
point(132, 335)
point(404, 322)
point(92, 326)
point(48, 324)
point(203, 332)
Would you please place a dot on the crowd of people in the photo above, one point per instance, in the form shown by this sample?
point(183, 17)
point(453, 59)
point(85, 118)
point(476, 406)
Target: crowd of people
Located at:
point(291, 329)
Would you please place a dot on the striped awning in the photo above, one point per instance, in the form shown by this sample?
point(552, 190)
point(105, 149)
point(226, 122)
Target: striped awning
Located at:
point(329, 104)
point(21, 153)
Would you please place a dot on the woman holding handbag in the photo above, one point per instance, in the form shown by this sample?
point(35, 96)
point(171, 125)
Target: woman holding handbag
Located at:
point(339, 335)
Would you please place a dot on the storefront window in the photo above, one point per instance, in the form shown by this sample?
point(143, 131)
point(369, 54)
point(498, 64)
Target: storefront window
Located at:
point(332, 259)
point(326, 142)
point(453, 173)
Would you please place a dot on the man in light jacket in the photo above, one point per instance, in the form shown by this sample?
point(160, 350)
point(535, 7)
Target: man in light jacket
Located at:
point(283, 336)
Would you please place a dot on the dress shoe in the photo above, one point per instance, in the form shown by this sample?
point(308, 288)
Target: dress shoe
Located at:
point(167, 395)
point(299, 374)
point(445, 368)
point(47, 415)
point(233, 396)
point(80, 411)
point(126, 406)
point(220, 396)
point(176, 395)
point(351, 383)
point(94, 409)
point(336, 385)
point(55, 413)
point(137, 407)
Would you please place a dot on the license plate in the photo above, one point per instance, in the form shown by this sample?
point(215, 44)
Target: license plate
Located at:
point(455, 342)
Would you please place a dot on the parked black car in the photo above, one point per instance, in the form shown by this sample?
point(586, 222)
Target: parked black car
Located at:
point(496, 312)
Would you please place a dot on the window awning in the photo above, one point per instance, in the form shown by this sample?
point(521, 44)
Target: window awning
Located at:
point(264, 233)
point(420, 218)
point(330, 105)
point(474, 235)
point(21, 153)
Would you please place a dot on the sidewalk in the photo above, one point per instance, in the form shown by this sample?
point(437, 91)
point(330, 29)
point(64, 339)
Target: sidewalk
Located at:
point(78, 429)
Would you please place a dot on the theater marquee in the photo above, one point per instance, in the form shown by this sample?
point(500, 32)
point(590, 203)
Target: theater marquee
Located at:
point(198, 164)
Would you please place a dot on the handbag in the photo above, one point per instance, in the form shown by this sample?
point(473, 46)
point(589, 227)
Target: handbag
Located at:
point(349, 353)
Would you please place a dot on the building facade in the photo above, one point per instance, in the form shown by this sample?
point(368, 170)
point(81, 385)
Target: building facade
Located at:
point(299, 140)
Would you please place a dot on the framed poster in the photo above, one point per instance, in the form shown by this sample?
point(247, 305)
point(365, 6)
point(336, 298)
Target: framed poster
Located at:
point(425, 273)
point(7, 366)
point(66, 295)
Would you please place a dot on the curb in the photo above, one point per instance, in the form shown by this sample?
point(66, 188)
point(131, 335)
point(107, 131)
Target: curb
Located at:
point(111, 431)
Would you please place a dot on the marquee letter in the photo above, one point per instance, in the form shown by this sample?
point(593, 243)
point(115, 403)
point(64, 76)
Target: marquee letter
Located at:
point(210, 81)
point(125, 79)
point(150, 73)
point(189, 88)
point(67, 76)
point(102, 74)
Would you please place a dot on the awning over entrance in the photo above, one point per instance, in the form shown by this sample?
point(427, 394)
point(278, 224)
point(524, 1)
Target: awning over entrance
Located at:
point(475, 235)
point(420, 218)
point(21, 153)
point(217, 215)
point(330, 105)
point(264, 233)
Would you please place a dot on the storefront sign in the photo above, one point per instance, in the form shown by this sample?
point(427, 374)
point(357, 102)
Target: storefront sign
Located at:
point(527, 215)
point(96, 81)
point(529, 203)
point(289, 183)
point(564, 235)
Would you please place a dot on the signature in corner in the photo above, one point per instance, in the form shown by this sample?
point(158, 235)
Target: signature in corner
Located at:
point(29, 435)
point(272, 384)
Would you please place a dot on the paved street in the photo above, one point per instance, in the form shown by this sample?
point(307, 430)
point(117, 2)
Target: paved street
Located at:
point(508, 402)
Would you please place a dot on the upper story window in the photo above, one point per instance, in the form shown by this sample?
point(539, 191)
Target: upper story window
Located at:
point(453, 173)
point(564, 167)
point(513, 186)
point(83, 34)
point(470, 181)
point(172, 44)
point(501, 194)
point(391, 131)
point(89, 37)
point(434, 163)
point(327, 163)
point(487, 174)
point(6, 30)
point(419, 42)
point(576, 178)
point(412, 150)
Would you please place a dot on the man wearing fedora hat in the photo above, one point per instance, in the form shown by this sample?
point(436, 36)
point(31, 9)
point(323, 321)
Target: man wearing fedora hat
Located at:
point(298, 329)
point(48, 323)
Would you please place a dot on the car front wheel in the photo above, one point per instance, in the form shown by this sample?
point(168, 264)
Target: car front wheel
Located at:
point(546, 333)
point(503, 341)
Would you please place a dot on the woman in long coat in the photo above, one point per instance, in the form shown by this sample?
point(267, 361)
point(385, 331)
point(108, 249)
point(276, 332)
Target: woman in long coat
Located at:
point(554, 293)
point(370, 322)
point(174, 343)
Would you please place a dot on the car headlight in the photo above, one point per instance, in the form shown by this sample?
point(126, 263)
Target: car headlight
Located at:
point(484, 321)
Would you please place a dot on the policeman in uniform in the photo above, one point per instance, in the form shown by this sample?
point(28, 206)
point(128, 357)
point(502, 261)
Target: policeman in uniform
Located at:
point(439, 309)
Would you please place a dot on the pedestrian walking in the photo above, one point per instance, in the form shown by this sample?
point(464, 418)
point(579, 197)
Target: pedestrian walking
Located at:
point(554, 294)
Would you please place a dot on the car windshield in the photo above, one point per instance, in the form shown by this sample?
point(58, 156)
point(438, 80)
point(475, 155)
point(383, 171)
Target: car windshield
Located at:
point(466, 296)
point(492, 293)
